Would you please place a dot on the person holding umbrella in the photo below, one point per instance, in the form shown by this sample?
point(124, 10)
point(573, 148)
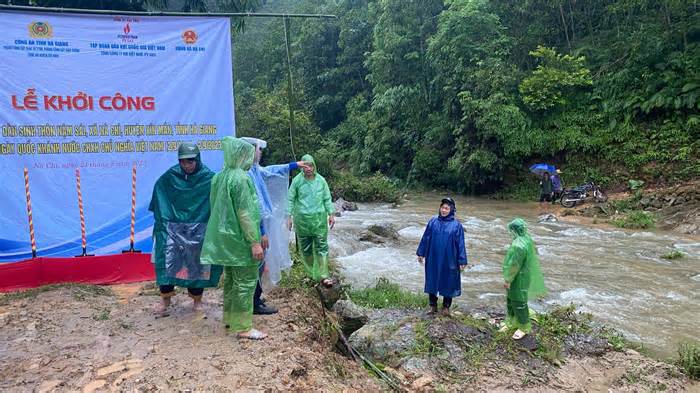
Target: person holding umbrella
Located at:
point(546, 186)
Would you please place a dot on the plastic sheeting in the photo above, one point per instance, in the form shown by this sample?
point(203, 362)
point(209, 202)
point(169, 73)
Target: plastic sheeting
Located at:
point(234, 225)
point(182, 249)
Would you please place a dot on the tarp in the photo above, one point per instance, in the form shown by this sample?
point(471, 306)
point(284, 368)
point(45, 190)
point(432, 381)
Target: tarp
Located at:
point(108, 269)
point(102, 93)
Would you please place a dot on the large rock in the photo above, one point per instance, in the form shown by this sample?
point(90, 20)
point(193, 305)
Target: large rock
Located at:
point(380, 233)
point(385, 341)
point(547, 218)
point(352, 317)
point(341, 205)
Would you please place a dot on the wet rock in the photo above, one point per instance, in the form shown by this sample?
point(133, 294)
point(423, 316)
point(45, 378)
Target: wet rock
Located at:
point(584, 344)
point(330, 295)
point(352, 317)
point(367, 236)
point(529, 342)
point(385, 341)
point(416, 366)
point(547, 218)
point(342, 205)
point(380, 233)
point(598, 210)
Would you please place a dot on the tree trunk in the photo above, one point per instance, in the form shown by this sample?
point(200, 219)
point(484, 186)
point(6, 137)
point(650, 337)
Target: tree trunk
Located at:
point(563, 22)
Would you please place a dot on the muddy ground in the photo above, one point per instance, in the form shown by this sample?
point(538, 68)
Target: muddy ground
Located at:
point(105, 339)
point(87, 339)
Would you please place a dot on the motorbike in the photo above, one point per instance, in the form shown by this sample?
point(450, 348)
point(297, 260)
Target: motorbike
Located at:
point(571, 197)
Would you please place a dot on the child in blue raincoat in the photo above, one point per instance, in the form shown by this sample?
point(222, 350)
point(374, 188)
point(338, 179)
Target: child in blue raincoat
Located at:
point(444, 254)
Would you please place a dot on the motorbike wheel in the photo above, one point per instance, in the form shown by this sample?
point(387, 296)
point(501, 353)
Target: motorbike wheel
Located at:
point(600, 196)
point(566, 202)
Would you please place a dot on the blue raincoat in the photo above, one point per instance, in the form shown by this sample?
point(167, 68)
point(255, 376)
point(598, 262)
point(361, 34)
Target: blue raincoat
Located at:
point(443, 247)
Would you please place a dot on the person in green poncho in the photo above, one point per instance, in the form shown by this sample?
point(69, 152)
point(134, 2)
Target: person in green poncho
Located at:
point(180, 206)
point(311, 214)
point(232, 239)
point(523, 279)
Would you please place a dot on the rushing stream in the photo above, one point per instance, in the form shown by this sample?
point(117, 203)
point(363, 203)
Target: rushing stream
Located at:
point(617, 275)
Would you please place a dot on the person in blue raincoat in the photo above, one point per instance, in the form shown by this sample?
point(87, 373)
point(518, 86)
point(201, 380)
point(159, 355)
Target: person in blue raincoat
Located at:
point(271, 183)
point(443, 252)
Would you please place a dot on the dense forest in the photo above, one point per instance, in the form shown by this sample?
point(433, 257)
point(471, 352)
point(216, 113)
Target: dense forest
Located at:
point(466, 94)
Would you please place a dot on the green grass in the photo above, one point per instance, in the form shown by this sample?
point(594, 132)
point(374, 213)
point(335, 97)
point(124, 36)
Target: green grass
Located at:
point(689, 359)
point(635, 220)
point(675, 254)
point(386, 294)
point(554, 326)
point(78, 291)
point(102, 315)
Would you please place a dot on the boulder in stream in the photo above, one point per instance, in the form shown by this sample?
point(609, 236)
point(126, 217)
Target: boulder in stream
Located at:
point(380, 233)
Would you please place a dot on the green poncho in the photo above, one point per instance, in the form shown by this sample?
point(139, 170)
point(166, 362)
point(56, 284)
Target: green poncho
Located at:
point(180, 206)
point(235, 213)
point(521, 267)
point(309, 203)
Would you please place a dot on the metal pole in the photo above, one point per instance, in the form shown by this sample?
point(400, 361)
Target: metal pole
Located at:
point(83, 236)
point(290, 95)
point(32, 239)
point(132, 229)
point(159, 13)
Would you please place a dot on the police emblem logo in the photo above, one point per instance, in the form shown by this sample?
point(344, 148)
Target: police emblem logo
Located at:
point(40, 30)
point(189, 37)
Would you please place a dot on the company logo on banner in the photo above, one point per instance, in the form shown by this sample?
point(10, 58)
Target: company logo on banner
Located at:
point(102, 94)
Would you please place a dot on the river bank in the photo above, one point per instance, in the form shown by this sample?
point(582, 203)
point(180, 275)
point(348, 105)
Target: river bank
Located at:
point(106, 339)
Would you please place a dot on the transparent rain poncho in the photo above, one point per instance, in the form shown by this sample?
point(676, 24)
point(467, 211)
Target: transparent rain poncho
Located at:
point(521, 269)
point(180, 206)
point(271, 184)
point(309, 204)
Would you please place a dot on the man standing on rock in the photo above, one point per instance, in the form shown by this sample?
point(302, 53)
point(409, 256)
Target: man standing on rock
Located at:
point(233, 236)
point(311, 213)
point(180, 206)
point(271, 183)
point(523, 279)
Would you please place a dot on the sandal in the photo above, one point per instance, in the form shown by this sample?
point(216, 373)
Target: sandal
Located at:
point(518, 334)
point(252, 334)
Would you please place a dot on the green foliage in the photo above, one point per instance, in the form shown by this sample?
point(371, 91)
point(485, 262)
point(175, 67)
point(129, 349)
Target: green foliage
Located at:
point(637, 219)
point(465, 94)
point(554, 79)
point(554, 326)
point(635, 185)
point(689, 359)
point(675, 254)
point(295, 278)
point(374, 188)
point(386, 294)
